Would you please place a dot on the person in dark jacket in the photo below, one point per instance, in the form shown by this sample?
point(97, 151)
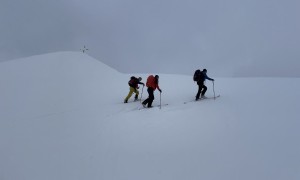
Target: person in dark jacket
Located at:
point(133, 88)
point(200, 82)
point(152, 84)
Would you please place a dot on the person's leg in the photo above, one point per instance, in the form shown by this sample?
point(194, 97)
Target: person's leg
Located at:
point(204, 89)
point(198, 93)
point(147, 100)
point(131, 90)
point(136, 94)
point(151, 97)
point(200, 86)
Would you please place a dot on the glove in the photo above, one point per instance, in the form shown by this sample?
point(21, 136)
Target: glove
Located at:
point(213, 80)
point(160, 90)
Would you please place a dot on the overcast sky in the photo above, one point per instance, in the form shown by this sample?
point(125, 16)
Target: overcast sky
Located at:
point(229, 38)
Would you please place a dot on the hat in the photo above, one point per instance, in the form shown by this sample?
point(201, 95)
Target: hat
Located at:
point(156, 76)
point(204, 70)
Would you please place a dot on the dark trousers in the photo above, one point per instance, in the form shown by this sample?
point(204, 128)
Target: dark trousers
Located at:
point(150, 99)
point(201, 89)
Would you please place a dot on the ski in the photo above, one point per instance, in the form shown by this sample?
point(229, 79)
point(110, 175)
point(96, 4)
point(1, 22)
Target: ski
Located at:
point(156, 106)
point(201, 99)
point(129, 102)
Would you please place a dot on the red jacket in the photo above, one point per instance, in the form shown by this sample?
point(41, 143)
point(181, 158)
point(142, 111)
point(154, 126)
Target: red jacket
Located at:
point(152, 82)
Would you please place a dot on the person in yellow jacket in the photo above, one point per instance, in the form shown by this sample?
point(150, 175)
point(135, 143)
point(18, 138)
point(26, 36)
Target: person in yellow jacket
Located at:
point(133, 84)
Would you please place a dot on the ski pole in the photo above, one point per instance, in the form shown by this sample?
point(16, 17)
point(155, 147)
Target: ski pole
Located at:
point(160, 100)
point(142, 94)
point(214, 90)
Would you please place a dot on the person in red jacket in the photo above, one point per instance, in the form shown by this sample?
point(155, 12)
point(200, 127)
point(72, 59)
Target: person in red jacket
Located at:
point(152, 84)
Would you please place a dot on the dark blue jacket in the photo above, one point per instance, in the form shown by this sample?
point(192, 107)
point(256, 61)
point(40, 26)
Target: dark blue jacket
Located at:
point(206, 77)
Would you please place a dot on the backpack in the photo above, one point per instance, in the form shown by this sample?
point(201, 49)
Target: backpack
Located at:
point(149, 81)
point(132, 81)
point(198, 76)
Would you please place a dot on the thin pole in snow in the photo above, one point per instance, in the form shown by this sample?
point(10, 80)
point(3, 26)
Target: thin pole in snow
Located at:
point(142, 94)
point(214, 90)
point(159, 100)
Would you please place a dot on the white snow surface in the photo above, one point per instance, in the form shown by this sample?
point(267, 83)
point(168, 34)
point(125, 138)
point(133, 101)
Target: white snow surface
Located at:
point(62, 117)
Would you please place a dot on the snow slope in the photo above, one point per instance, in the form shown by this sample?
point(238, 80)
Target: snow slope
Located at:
point(62, 118)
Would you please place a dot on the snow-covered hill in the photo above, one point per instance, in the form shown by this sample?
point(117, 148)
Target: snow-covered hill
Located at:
point(62, 117)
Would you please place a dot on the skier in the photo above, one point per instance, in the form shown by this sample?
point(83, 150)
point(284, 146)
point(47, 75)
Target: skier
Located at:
point(152, 84)
point(201, 76)
point(133, 84)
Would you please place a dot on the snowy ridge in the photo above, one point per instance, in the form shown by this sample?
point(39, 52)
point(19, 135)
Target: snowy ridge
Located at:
point(62, 117)
point(51, 83)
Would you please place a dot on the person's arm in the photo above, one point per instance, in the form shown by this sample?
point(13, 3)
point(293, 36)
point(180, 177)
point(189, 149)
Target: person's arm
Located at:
point(206, 77)
point(158, 88)
point(141, 83)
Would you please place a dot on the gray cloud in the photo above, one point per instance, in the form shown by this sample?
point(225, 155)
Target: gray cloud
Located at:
point(170, 36)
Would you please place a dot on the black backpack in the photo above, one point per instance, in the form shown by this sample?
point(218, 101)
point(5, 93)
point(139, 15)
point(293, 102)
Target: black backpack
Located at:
point(198, 75)
point(132, 81)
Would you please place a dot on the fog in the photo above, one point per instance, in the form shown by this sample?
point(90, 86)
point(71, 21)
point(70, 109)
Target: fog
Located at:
point(229, 38)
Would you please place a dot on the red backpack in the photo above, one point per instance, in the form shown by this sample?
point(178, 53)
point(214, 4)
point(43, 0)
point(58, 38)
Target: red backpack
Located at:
point(151, 81)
